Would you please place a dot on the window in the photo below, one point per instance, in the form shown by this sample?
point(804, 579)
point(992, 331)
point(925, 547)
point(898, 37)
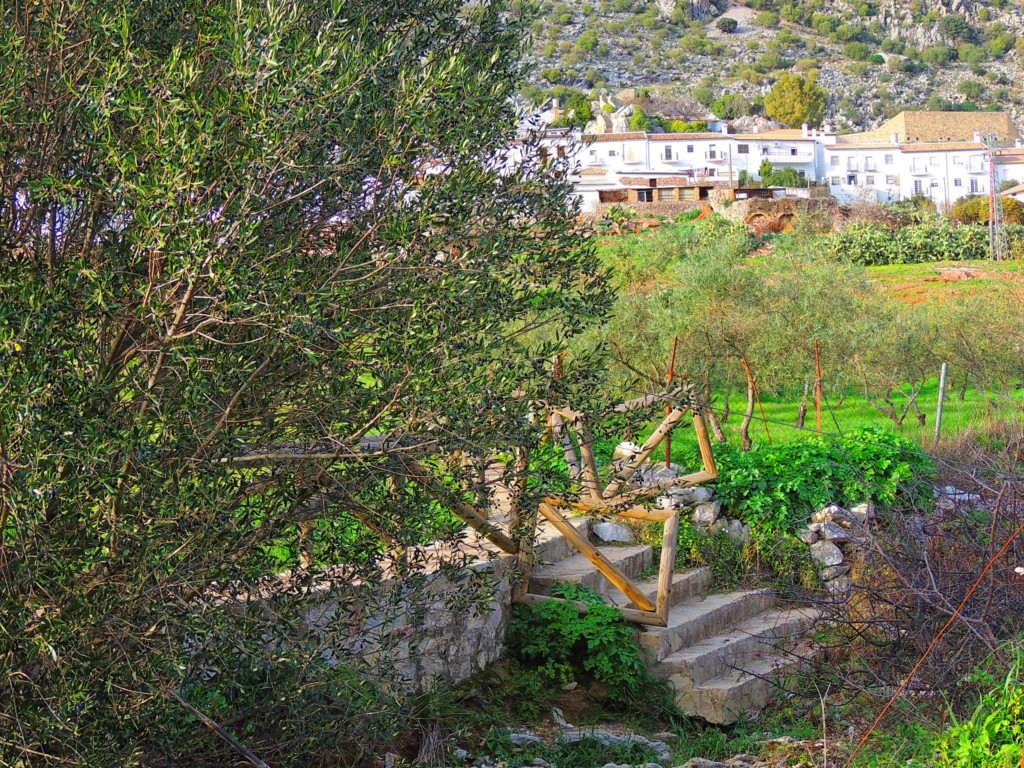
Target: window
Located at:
point(935, 183)
point(593, 153)
point(835, 181)
point(958, 182)
point(666, 193)
point(870, 181)
point(890, 181)
point(743, 149)
point(852, 180)
point(918, 188)
point(803, 174)
point(975, 188)
point(645, 195)
point(792, 150)
point(668, 153)
point(711, 152)
point(560, 151)
point(869, 164)
point(888, 159)
point(764, 150)
point(689, 149)
point(612, 153)
point(834, 161)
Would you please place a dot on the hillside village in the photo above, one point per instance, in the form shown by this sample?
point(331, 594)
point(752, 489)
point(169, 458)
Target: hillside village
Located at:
point(941, 156)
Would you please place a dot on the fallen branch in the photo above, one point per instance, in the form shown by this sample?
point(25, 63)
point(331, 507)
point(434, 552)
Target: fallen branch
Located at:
point(236, 745)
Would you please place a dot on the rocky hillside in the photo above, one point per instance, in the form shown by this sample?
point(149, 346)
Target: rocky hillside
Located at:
point(721, 56)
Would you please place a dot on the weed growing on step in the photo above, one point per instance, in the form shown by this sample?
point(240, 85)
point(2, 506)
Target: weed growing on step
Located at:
point(586, 753)
point(567, 646)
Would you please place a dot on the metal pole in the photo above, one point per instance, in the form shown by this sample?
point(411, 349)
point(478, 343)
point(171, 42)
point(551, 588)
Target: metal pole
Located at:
point(817, 387)
point(668, 409)
point(942, 397)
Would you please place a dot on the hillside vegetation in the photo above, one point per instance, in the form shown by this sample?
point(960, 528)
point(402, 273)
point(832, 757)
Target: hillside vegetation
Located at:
point(873, 58)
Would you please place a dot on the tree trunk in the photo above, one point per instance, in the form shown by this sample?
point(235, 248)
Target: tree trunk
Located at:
point(725, 404)
point(748, 414)
point(716, 428)
point(963, 387)
point(801, 413)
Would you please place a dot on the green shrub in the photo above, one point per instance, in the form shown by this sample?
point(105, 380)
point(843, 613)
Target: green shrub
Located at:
point(776, 488)
point(994, 734)
point(727, 25)
point(767, 19)
point(567, 645)
point(871, 244)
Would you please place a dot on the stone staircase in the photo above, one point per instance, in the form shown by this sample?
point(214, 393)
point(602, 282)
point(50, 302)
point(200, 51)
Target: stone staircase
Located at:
point(724, 654)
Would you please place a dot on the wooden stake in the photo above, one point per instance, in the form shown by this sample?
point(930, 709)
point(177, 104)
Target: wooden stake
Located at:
point(669, 541)
point(817, 387)
point(668, 409)
point(753, 383)
point(646, 450)
point(594, 555)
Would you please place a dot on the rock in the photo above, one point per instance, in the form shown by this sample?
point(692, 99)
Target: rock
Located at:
point(612, 532)
point(840, 587)
point(540, 763)
point(826, 553)
point(808, 537)
point(460, 754)
point(834, 571)
point(559, 718)
point(834, 532)
point(667, 736)
point(701, 762)
point(625, 451)
point(571, 686)
point(693, 495)
point(826, 513)
point(738, 532)
point(719, 526)
point(742, 760)
point(863, 512)
point(524, 739)
point(956, 495)
point(706, 513)
point(668, 501)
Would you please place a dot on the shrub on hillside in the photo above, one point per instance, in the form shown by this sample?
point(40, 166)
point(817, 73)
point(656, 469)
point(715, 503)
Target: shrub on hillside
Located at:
point(975, 210)
point(727, 25)
point(871, 244)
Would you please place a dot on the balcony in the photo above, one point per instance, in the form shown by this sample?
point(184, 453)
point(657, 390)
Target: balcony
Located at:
point(787, 157)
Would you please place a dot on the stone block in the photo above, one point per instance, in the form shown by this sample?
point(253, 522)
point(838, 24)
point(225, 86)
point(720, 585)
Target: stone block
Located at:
point(706, 513)
point(613, 533)
point(826, 553)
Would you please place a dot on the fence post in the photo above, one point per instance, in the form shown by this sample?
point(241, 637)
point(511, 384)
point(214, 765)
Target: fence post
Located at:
point(817, 387)
point(942, 397)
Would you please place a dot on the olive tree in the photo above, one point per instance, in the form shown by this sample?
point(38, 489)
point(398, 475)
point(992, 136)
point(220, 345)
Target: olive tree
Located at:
point(255, 258)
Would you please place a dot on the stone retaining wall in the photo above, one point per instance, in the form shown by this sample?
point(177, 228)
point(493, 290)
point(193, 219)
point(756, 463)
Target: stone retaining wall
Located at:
point(664, 208)
point(439, 627)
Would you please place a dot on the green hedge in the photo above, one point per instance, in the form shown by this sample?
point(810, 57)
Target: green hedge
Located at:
point(872, 244)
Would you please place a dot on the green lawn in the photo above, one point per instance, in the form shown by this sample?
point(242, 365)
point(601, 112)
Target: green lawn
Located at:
point(854, 412)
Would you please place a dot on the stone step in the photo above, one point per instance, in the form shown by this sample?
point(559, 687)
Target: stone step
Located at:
point(749, 641)
point(685, 586)
point(696, 620)
point(550, 546)
point(578, 570)
point(728, 698)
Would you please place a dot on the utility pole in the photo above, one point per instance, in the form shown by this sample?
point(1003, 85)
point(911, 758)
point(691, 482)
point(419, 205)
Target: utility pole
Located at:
point(998, 246)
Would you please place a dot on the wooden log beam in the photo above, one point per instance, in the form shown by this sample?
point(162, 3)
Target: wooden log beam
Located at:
point(522, 522)
point(561, 435)
point(669, 542)
point(646, 450)
point(469, 515)
point(629, 614)
point(591, 480)
point(594, 555)
point(608, 507)
point(704, 443)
